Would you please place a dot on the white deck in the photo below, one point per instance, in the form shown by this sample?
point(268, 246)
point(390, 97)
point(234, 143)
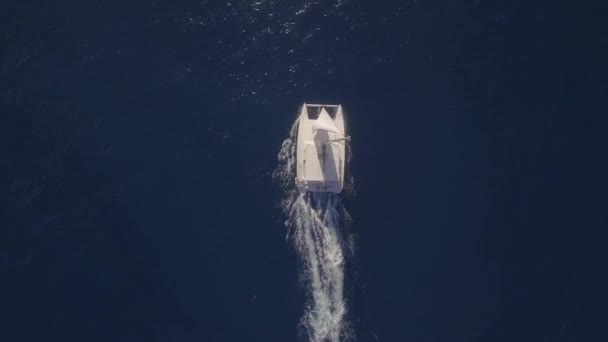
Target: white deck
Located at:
point(320, 161)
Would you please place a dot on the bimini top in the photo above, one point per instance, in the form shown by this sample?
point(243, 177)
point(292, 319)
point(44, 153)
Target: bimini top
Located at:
point(321, 149)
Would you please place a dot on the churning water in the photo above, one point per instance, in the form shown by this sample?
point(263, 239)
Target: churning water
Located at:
point(317, 224)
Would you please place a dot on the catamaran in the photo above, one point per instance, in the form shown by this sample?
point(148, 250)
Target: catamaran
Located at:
point(321, 149)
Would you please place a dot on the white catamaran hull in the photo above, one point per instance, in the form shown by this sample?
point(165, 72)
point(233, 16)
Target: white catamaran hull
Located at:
point(321, 149)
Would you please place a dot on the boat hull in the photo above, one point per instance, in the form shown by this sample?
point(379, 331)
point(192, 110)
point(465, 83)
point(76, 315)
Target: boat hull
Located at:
point(321, 154)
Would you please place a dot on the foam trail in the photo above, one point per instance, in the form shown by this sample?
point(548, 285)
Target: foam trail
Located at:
point(315, 224)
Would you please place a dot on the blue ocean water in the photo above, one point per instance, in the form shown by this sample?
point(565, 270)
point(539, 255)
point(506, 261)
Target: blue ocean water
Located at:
point(138, 142)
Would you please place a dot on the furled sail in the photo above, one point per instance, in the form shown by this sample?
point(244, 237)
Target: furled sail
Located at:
point(325, 123)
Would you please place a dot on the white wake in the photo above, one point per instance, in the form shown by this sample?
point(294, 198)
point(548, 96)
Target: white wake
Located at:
point(316, 224)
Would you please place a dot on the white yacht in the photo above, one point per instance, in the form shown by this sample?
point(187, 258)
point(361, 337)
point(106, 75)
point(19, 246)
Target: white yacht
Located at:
point(321, 149)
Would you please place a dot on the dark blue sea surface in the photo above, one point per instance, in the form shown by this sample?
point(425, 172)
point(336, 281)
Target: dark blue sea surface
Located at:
point(138, 141)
